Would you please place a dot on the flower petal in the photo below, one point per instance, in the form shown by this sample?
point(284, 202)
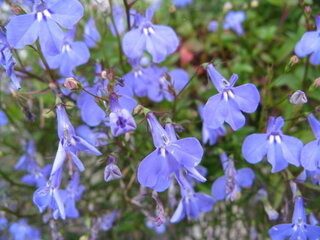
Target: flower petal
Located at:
point(245, 177)
point(247, 97)
point(255, 147)
point(276, 158)
point(281, 231)
point(178, 214)
point(310, 156)
point(133, 43)
point(291, 149)
point(307, 44)
point(218, 189)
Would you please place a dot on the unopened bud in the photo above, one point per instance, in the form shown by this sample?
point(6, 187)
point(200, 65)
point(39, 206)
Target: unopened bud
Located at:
point(227, 6)
point(104, 74)
point(112, 171)
point(308, 9)
point(71, 83)
point(298, 97)
point(316, 82)
point(294, 60)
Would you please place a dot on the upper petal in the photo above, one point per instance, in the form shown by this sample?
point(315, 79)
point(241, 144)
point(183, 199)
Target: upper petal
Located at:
point(218, 189)
point(133, 43)
point(67, 12)
point(247, 97)
point(245, 177)
point(22, 30)
point(255, 147)
point(310, 156)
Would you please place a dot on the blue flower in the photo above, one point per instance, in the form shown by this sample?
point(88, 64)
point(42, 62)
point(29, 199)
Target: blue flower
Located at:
point(119, 18)
point(91, 112)
point(7, 62)
point(37, 176)
point(71, 55)
point(213, 26)
point(279, 148)
point(3, 221)
point(210, 135)
point(92, 136)
point(165, 85)
point(69, 144)
point(313, 175)
point(91, 34)
point(309, 44)
point(3, 118)
point(106, 221)
point(181, 3)
point(310, 154)
point(298, 229)
point(121, 121)
point(28, 160)
point(21, 231)
point(51, 196)
point(234, 20)
point(44, 23)
point(229, 186)
point(157, 40)
point(192, 203)
point(170, 155)
point(226, 106)
point(72, 194)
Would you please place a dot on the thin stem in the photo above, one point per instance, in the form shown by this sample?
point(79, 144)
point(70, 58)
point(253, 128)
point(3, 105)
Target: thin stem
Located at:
point(53, 79)
point(127, 7)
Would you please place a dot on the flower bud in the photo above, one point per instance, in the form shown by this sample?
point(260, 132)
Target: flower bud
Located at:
point(294, 60)
point(104, 74)
point(298, 97)
point(308, 9)
point(112, 171)
point(71, 83)
point(316, 82)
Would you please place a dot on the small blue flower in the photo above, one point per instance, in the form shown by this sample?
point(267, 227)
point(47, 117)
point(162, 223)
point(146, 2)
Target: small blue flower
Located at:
point(170, 155)
point(27, 161)
point(298, 229)
point(157, 40)
point(279, 148)
point(106, 221)
point(72, 194)
point(121, 121)
point(38, 176)
point(234, 21)
point(309, 44)
point(192, 203)
point(181, 3)
point(7, 62)
point(210, 135)
point(229, 186)
point(22, 231)
point(3, 118)
point(213, 26)
point(226, 106)
point(69, 143)
point(310, 154)
point(92, 136)
point(44, 23)
point(71, 54)
point(51, 196)
point(91, 34)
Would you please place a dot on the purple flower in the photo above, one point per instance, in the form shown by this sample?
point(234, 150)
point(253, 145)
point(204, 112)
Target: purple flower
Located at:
point(51, 196)
point(7, 62)
point(158, 40)
point(72, 194)
point(279, 148)
point(181, 3)
point(158, 229)
point(44, 23)
point(309, 44)
point(213, 26)
point(313, 175)
point(3, 118)
point(69, 144)
point(21, 230)
point(91, 34)
point(210, 135)
point(310, 154)
point(71, 55)
point(192, 203)
point(121, 121)
point(298, 229)
point(234, 20)
point(93, 137)
point(106, 221)
point(226, 106)
point(170, 155)
point(229, 186)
